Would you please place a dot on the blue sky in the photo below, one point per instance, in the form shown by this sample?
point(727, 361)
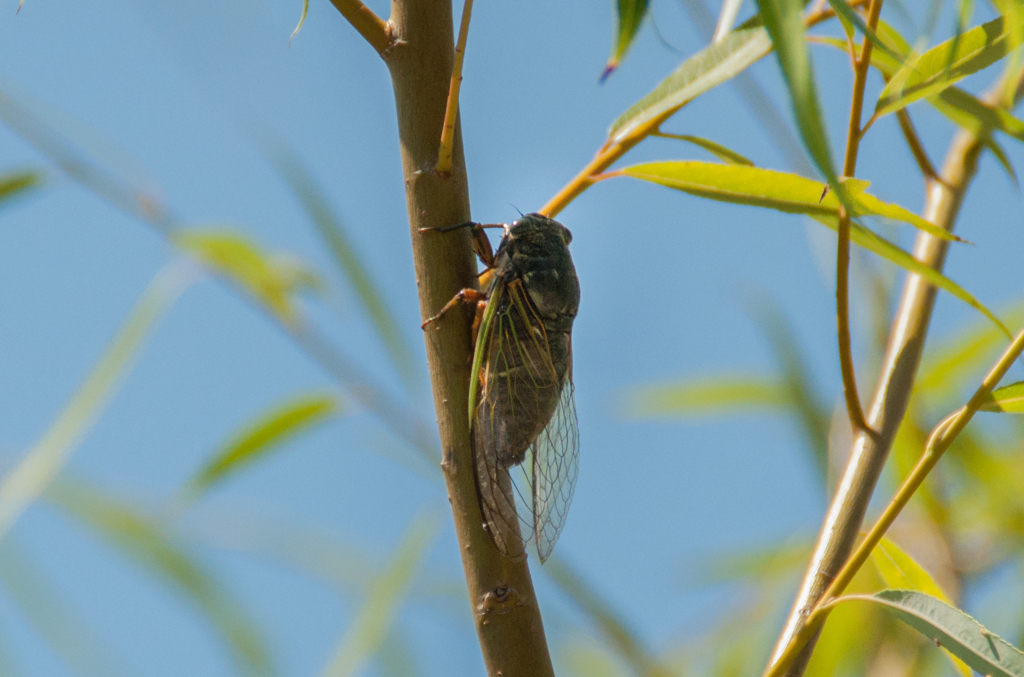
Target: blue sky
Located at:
point(176, 93)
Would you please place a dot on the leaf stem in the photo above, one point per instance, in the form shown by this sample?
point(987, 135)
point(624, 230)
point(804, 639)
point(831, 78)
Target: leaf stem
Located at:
point(941, 438)
point(916, 147)
point(375, 30)
point(444, 153)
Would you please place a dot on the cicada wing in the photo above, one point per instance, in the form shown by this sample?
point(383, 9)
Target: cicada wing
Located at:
point(519, 388)
point(554, 465)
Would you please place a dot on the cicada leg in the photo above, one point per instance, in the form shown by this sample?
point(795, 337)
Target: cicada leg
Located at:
point(465, 296)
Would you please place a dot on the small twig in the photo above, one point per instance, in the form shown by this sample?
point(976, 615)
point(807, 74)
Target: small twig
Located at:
point(444, 153)
point(854, 135)
point(941, 438)
point(374, 29)
point(916, 147)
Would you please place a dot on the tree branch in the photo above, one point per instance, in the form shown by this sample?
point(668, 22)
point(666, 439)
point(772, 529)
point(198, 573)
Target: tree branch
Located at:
point(420, 59)
point(842, 523)
point(376, 31)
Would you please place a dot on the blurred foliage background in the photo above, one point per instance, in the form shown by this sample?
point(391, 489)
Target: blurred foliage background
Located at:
point(218, 454)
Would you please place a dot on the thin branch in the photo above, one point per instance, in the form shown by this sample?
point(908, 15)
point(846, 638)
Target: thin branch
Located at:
point(916, 147)
point(375, 30)
point(842, 523)
point(500, 591)
point(940, 440)
point(846, 368)
point(444, 153)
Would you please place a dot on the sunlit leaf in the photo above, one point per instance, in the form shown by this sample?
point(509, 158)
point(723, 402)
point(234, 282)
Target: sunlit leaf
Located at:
point(793, 194)
point(629, 16)
point(848, 642)
point(272, 280)
point(705, 70)
point(973, 114)
point(756, 565)
point(262, 436)
point(302, 20)
point(38, 600)
point(621, 638)
point(700, 397)
point(1008, 399)
point(147, 542)
point(718, 150)
point(784, 21)
point(945, 65)
point(348, 260)
point(590, 658)
point(901, 572)
point(952, 629)
point(15, 184)
point(373, 622)
point(769, 188)
point(29, 478)
point(1004, 160)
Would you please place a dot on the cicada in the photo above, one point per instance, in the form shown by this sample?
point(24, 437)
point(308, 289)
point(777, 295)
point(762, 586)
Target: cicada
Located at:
point(522, 411)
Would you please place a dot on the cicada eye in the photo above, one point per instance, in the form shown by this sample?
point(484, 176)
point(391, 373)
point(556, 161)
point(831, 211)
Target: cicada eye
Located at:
point(566, 235)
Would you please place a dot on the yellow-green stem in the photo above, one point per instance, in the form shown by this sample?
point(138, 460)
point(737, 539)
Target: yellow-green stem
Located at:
point(374, 29)
point(444, 153)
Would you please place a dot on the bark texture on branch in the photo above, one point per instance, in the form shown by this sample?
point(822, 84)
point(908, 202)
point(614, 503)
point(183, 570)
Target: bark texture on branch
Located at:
point(420, 58)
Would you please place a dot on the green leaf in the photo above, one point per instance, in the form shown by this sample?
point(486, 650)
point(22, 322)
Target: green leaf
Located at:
point(900, 571)
point(952, 629)
point(974, 115)
point(302, 20)
point(703, 71)
point(271, 280)
point(1007, 400)
point(945, 65)
point(773, 189)
point(629, 17)
point(718, 150)
point(145, 540)
point(29, 478)
point(722, 394)
point(784, 21)
point(348, 260)
point(15, 184)
point(848, 16)
point(373, 622)
point(617, 634)
point(1004, 160)
point(71, 637)
point(259, 438)
point(793, 194)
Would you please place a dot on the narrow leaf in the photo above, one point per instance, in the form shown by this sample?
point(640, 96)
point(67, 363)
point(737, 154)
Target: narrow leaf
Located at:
point(704, 70)
point(952, 629)
point(900, 571)
point(262, 436)
point(302, 20)
point(793, 194)
point(784, 21)
point(1004, 160)
point(629, 16)
point(27, 480)
point(270, 280)
point(146, 541)
point(701, 397)
point(773, 189)
point(15, 184)
point(1008, 399)
point(847, 15)
point(718, 150)
point(976, 115)
point(350, 264)
point(373, 622)
point(945, 65)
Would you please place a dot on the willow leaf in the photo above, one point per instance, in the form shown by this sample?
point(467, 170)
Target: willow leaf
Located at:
point(718, 150)
point(700, 397)
point(629, 17)
point(1008, 399)
point(262, 436)
point(952, 629)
